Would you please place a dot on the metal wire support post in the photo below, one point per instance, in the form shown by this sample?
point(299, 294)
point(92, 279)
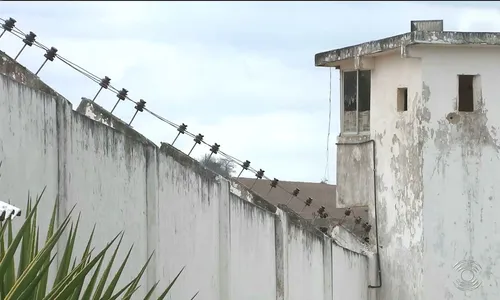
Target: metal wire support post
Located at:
point(214, 149)
point(138, 108)
point(28, 41)
point(50, 55)
point(295, 193)
point(244, 167)
point(347, 212)
point(197, 140)
point(273, 185)
point(121, 97)
point(259, 175)
point(367, 227)
point(104, 85)
point(320, 212)
point(308, 203)
point(181, 130)
point(8, 25)
point(357, 221)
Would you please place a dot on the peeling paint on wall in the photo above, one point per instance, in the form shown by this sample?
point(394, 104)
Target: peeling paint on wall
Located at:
point(461, 159)
point(435, 169)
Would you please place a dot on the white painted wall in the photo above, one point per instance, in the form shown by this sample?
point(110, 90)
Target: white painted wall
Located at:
point(102, 166)
point(252, 260)
point(398, 167)
point(436, 175)
point(461, 163)
point(398, 177)
point(231, 248)
point(305, 264)
point(345, 274)
point(28, 147)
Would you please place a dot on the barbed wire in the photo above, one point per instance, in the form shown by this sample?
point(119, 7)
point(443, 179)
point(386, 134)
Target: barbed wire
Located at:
point(51, 53)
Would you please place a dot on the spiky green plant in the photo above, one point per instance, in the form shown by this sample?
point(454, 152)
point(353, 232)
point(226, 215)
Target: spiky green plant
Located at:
point(28, 279)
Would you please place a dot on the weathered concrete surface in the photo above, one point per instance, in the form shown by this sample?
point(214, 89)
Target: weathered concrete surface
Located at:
point(396, 139)
point(400, 42)
point(103, 165)
point(435, 170)
point(399, 172)
point(354, 170)
point(28, 146)
point(233, 243)
point(344, 274)
point(253, 251)
point(461, 162)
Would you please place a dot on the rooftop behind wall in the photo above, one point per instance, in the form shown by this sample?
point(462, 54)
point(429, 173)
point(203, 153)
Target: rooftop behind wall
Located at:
point(234, 245)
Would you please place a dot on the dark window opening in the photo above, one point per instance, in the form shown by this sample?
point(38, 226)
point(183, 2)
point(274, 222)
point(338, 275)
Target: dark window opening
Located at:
point(402, 104)
point(364, 88)
point(356, 98)
point(466, 93)
point(350, 91)
point(350, 101)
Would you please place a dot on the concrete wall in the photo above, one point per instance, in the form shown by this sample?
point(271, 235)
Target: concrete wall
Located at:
point(398, 174)
point(435, 174)
point(461, 163)
point(233, 244)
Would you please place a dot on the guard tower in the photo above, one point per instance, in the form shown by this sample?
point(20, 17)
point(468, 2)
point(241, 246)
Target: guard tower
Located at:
point(419, 146)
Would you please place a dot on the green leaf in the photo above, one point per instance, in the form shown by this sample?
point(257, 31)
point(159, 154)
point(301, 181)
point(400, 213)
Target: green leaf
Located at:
point(65, 262)
point(164, 294)
point(112, 285)
point(61, 285)
point(57, 289)
point(79, 278)
point(195, 295)
point(137, 279)
point(150, 292)
point(27, 294)
point(26, 243)
point(14, 243)
point(10, 273)
point(34, 251)
point(76, 294)
point(42, 286)
point(34, 262)
point(102, 282)
point(130, 293)
point(90, 286)
point(89, 243)
point(7, 263)
point(3, 291)
point(35, 265)
point(119, 292)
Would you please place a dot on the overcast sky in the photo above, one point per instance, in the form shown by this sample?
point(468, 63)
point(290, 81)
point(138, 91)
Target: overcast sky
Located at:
point(241, 73)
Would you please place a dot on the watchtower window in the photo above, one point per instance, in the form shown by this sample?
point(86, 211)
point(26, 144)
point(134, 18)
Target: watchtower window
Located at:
point(468, 86)
point(356, 87)
point(402, 100)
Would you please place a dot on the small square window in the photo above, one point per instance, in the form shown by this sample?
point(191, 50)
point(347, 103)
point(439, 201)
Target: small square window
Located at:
point(468, 86)
point(402, 104)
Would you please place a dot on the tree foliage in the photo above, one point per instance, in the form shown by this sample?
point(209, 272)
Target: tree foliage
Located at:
point(219, 165)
